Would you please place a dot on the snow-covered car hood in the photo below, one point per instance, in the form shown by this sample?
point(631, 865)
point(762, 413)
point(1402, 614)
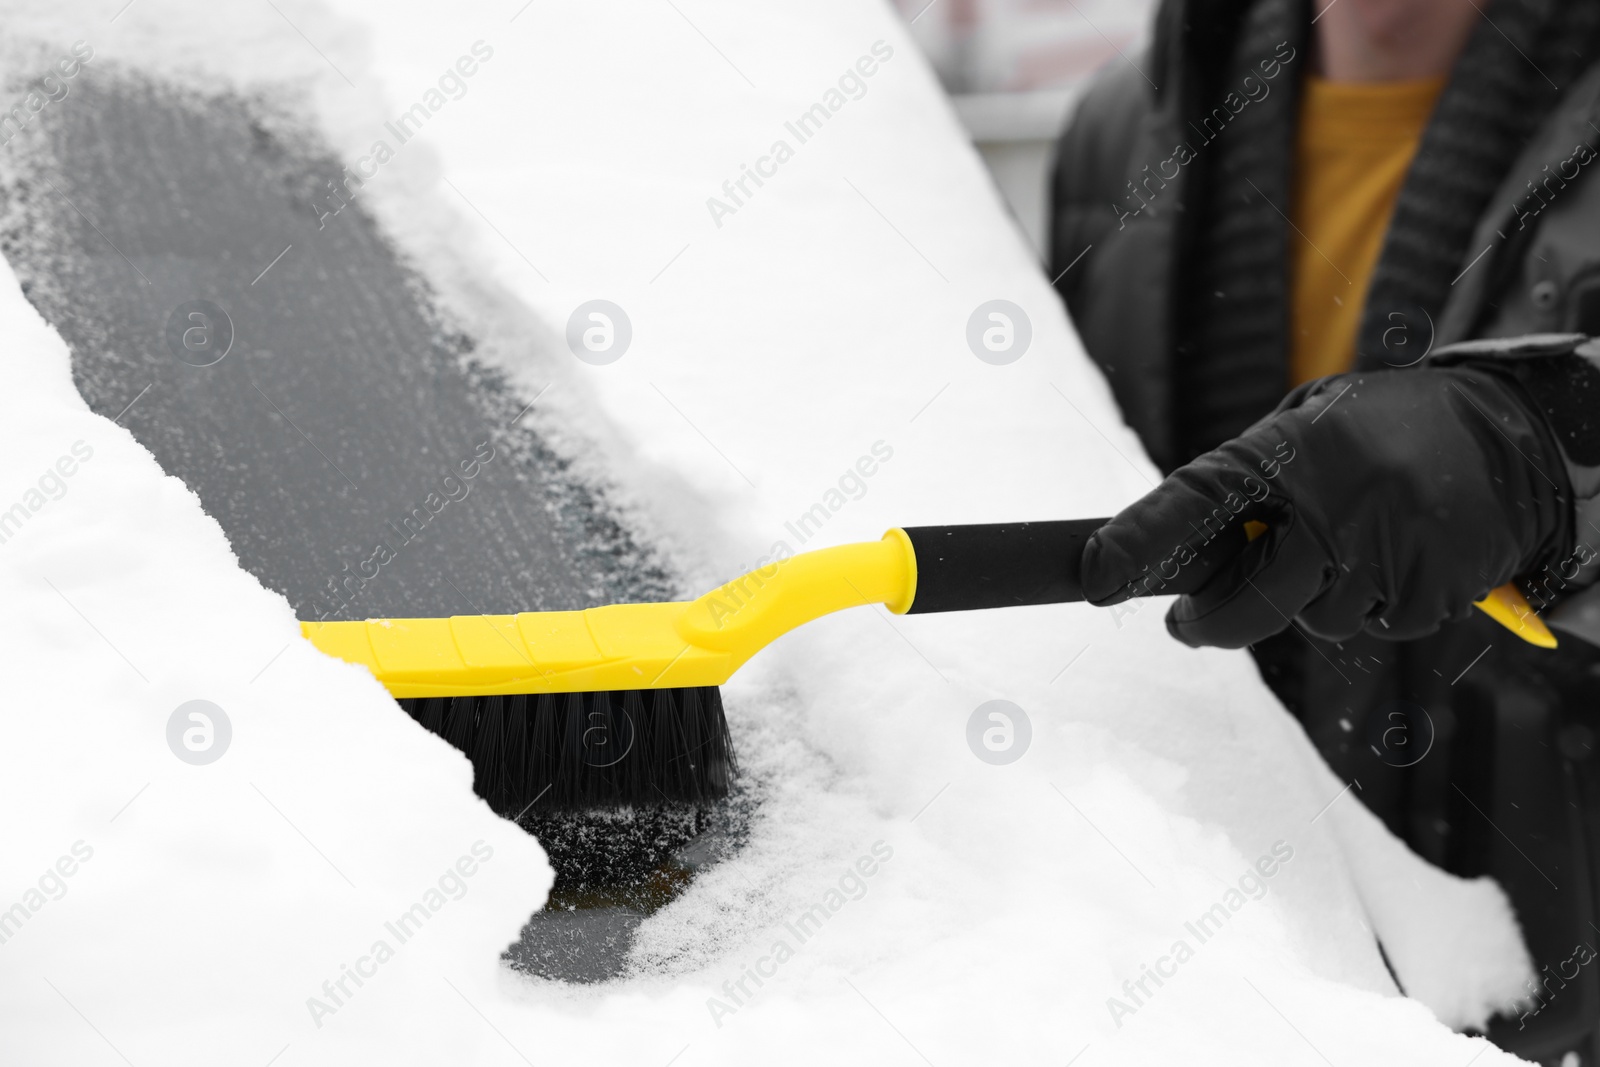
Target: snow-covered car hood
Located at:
point(899, 895)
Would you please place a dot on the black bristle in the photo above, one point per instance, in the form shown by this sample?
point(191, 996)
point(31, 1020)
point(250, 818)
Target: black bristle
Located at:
point(572, 777)
point(488, 751)
point(519, 709)
point(717, 765)
point(461, 723)
point(430, 712)
point(661, 723)
point(544, 749)
point(578, 751)
point(630, 773)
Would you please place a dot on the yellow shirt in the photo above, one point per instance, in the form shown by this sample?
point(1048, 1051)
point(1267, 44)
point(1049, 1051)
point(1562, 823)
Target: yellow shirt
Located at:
point(1353, 146)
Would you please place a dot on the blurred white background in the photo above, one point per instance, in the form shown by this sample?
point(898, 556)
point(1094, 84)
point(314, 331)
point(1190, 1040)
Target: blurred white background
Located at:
point(1013, 68)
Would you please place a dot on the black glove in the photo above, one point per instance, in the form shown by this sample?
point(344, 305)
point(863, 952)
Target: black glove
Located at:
point(1392, 500)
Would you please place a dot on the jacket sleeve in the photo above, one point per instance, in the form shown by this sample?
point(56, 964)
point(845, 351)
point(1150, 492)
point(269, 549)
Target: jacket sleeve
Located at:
point(1091, 169)
point(1560, 375)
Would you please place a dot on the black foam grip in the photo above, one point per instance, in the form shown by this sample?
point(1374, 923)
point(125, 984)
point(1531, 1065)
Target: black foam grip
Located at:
point(1010, 564)
point(997, 565)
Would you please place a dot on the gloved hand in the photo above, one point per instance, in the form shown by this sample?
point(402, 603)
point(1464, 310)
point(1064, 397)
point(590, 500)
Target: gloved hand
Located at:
point(1392, 499)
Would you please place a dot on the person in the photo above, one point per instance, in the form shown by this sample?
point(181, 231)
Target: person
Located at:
point(1339, 262)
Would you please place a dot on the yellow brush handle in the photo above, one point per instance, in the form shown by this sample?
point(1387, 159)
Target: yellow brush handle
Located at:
point(686, 643)
point(1508, 607)
point(624, 646)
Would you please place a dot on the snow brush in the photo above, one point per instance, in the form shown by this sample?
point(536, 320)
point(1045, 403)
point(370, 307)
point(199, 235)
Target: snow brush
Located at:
point(619, 706)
